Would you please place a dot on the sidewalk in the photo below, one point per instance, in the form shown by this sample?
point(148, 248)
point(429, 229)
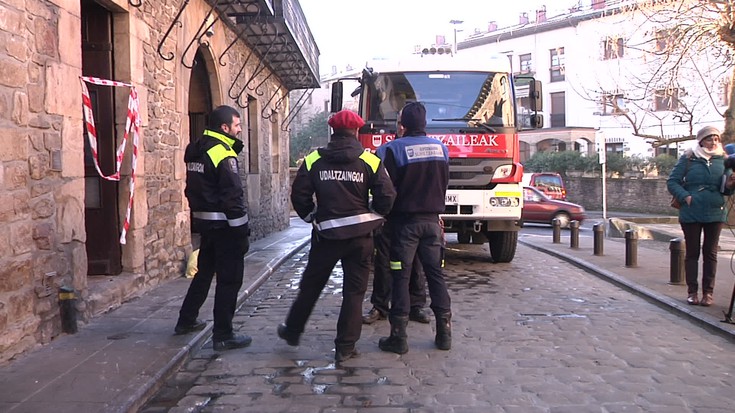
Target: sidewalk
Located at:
point(651, 277)
point(119, 359)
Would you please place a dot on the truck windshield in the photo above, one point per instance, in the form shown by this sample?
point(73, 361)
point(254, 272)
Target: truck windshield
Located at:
point(451, 98)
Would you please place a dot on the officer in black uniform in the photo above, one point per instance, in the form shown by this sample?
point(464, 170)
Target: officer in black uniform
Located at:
point(342, 176)
point(419, 168)
point(217, 202)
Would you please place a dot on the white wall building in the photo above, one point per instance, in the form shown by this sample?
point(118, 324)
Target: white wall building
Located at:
point(593, 61)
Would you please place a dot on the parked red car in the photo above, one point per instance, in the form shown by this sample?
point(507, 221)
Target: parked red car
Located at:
point(540, 209)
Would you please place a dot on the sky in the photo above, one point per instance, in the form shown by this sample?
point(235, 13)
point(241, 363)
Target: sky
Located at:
point(355, 31)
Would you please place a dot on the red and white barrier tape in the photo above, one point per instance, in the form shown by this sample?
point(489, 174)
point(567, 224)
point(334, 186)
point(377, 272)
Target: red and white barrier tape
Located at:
point(131, 124)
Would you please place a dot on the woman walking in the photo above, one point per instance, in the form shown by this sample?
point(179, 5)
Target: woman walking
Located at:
point(699, 182)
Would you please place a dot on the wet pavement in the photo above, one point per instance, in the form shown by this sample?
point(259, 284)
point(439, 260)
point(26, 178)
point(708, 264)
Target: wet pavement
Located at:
point(120, 359)
point(534, 335)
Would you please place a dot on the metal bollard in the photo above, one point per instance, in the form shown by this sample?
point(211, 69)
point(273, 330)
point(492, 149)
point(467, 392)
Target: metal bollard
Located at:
point(574, 234)
point(67, 302)
point(599, 237)
point(631, 248)
point(556, 225)
point(677, 246)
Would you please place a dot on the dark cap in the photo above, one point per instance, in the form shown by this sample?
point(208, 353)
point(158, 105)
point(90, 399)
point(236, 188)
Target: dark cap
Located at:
point(346, 119)
point(413, 117)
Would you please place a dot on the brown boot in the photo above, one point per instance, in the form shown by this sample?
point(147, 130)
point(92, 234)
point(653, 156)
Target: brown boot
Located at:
point(707, 300)
point(692, 299)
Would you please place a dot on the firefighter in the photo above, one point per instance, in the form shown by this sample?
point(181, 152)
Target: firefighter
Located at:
point(342, 176)
point(217, 202)
point(419, 168)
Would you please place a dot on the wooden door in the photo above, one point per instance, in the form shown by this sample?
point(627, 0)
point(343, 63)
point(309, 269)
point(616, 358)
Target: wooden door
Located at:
point(101, 196)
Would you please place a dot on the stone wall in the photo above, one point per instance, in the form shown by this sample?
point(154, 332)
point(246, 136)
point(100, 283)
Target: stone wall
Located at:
point(623, 194)
point(42, 189)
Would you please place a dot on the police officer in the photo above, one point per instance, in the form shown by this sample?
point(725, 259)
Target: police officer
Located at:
point(217, 202)
point(383, 280)
point(419, 168)
point(342, 176)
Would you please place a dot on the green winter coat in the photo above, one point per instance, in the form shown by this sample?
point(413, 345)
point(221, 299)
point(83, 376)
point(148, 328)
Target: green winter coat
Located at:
point(705, 182)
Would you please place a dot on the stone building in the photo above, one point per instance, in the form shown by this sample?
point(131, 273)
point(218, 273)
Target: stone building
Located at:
point(61, 222)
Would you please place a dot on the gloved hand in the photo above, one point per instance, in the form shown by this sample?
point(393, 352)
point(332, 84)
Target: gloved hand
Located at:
point(242, 234)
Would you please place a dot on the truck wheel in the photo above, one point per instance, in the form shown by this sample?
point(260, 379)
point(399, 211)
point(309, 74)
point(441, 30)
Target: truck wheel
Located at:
point(463, 237)
point(502, 245)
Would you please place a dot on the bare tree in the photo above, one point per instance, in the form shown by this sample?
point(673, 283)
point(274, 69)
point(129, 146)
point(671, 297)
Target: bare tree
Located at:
point(685, 49)
point(694, 41)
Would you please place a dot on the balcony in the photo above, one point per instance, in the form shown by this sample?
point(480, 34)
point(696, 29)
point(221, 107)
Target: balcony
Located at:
point(277, 32)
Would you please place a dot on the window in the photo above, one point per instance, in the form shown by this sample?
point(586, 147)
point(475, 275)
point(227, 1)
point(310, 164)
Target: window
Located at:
point(615, 147)
point(558, 110)
point(666, 99)
point(253, 154)
point(613, 48)
point(613, 104)
point(275, 143)
point(556, 71)
point(526, 63)
point(662, 40)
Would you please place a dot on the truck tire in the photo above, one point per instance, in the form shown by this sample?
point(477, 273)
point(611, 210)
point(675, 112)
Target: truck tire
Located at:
point(502, 245)
point(463, 237)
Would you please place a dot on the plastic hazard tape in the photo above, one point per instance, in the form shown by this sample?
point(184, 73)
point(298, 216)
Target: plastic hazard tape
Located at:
point(131, 124)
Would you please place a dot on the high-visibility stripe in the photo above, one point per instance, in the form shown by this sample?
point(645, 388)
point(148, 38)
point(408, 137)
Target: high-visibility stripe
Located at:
point(210, 216)
point(238, 221)
point(221, 136)
point(220, 216)
point(372, 160)
point(311, 158)
point(346, 221)
point(396, 265)
point(218, 152)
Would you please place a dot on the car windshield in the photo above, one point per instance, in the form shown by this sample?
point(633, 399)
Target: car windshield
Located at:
point(533, 195)
point(450, 98)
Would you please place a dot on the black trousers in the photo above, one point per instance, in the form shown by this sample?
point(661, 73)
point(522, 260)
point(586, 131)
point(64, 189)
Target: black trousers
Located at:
point(422, 237)
point(383, 280)
point(355, 254)
point(692, 238)
point(220, 253)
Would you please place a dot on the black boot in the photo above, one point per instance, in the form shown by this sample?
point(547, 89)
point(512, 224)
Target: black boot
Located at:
point(397, 342)
point(443, 339)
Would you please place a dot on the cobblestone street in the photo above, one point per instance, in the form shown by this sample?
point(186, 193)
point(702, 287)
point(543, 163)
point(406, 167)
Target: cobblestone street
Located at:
point(534, 335)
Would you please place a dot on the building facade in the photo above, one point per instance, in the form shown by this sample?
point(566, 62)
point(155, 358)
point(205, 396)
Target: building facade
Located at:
point(62, 220)
point(606, 65)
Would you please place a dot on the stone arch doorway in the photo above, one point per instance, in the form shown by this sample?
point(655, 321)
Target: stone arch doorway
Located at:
point(551, 145)
point(203, 97)
point(203, 92)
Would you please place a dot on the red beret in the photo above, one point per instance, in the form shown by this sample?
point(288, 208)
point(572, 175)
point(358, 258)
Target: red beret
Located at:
point(346, 119)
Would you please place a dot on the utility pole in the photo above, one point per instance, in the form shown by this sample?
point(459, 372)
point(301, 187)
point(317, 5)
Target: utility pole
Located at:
point(455, 23)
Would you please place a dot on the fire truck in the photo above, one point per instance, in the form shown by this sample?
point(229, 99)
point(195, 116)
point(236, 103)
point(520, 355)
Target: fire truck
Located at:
point(475, 106)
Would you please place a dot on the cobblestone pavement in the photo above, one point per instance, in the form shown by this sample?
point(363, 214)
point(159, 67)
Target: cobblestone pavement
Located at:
point(534, 335)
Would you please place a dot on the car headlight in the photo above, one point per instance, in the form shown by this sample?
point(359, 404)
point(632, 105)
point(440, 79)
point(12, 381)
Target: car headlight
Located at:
point(504, 201)
point(503, 171)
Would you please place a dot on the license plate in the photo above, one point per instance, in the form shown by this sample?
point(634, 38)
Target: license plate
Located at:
point(451, 199)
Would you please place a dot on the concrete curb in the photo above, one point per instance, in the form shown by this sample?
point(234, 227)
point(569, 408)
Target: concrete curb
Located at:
point(151, 386)
point(648, 294)
point(617, 227)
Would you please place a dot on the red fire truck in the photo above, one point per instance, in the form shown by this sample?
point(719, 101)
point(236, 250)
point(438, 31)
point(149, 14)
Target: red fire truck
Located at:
point(473, 106)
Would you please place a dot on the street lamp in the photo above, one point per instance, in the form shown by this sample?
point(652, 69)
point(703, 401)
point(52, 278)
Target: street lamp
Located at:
point(455, 23)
